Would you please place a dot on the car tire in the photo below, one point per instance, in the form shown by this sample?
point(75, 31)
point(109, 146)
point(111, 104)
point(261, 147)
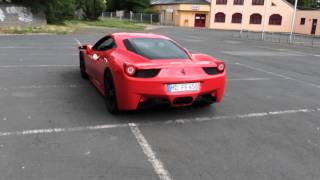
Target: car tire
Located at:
point(110, 94)
point(83, 73)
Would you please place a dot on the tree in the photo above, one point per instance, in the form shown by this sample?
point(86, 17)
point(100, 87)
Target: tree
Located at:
point(306, 4)
point(55, 10)
point(92, 8)
point(128, 5)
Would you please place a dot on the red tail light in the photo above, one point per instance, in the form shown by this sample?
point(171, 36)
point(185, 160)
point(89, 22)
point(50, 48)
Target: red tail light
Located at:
point(221, 66)
point(130, 70)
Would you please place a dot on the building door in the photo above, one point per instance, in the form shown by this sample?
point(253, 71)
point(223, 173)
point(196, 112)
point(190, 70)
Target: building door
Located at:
point(200, 20)
point(314, 26)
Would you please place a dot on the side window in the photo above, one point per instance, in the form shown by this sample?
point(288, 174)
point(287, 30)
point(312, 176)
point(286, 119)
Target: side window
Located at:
point(104, 44)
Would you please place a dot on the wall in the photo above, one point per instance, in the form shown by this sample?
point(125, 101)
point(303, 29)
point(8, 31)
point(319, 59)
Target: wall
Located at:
point(18, 16)
point(281, 7)
point(306, 28)
point(168, 14)
point(187, 13)
point(182, 14)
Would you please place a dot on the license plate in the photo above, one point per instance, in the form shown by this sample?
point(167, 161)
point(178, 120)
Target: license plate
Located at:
point(183, 87)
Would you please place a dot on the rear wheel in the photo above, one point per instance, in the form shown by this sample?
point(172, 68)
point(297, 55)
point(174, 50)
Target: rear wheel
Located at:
point(110, 94)
point(83, 73)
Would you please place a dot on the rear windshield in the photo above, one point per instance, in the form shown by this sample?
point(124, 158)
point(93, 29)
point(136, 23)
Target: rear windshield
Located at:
point(153, 48)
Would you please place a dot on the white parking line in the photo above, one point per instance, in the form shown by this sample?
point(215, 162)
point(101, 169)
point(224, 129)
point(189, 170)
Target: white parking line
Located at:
point(37, 47)
point(187, 120)
point(35, 54)
point(44, 87)
point(39, 66)
point(250, 79)
point(279, 75)
point(55, 86)
point(151, 156)
point(242, 116)
point(58, 130)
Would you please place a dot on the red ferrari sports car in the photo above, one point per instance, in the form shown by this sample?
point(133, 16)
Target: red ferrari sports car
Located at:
point(137, 70)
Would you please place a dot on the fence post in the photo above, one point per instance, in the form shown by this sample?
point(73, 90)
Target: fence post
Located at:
point(131, 16)
point(120, 17)
point(111, 15)
point(151, 18)
point(141, 20)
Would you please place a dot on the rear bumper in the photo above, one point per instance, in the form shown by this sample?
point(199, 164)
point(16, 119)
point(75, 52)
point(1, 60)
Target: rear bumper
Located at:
point(134, 92)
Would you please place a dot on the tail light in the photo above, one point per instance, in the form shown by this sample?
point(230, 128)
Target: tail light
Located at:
point(130, 70)
point(215, 70)
point(147, 73)
point(221, 67)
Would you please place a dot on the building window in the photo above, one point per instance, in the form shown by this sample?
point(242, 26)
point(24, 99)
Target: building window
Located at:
point(255, 19)
point(238, 2)
point(302, 21)
point(275, 19)
point(236, 18)
point(257, 2)
point(221, 2)
point(220, 17)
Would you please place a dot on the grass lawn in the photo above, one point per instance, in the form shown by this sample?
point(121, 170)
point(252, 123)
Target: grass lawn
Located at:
point(49, 29)
point(72, 25)
point(111, 23)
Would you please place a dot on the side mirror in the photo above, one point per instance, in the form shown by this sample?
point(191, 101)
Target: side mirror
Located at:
point(89, 49)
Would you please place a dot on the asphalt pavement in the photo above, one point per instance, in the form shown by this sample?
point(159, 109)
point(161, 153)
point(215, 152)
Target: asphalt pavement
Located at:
point(54, 125)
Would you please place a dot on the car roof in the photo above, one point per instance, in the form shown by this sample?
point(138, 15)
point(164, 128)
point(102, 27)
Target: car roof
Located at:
point(125, 35)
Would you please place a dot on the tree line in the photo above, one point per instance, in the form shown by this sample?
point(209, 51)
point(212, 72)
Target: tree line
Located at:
point(57, 11)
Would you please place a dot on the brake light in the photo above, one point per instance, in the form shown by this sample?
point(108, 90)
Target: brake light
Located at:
point(221, 67)
point(130, 69)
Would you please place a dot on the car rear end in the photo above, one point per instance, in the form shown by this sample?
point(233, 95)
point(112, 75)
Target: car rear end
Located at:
point(176, 84)
point(158, 70)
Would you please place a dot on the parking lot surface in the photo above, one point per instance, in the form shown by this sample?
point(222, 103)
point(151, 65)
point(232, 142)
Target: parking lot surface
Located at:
point(54, 125)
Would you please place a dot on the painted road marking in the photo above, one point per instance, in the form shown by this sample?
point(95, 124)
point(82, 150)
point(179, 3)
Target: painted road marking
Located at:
point(187, 120)
point(251, 79)
point(36, 47)
point(242, 116)
point(55, 86)
point(35, 54)
point(44, 87)
point(151, 156)
point(59, 130)
point(39, 66)
point(279, 75)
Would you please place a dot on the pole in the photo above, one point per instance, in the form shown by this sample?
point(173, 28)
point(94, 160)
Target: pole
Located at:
point(293, 21)
point(141, 20)
point(242, 14)
point(151, 19)
point(264, 19)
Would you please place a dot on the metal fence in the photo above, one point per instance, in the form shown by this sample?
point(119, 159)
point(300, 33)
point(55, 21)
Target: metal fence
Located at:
point(134, 17)
point(298, 39)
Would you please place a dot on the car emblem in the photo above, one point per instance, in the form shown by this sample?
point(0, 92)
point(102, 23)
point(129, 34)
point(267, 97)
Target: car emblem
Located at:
point(183, 72)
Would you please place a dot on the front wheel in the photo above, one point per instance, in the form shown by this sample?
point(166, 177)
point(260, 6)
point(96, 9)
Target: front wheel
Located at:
point(110, 94)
